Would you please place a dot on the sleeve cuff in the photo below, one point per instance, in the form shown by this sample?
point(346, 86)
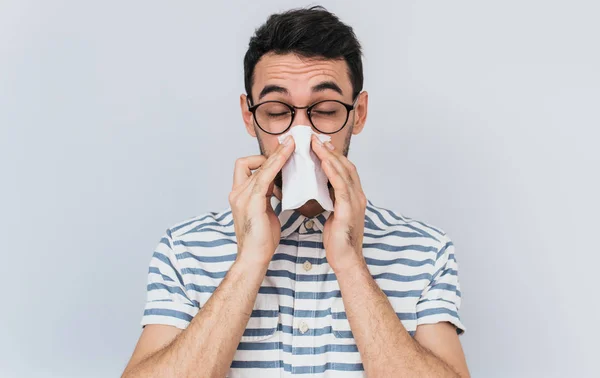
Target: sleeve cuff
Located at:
point(168, 313)
point(437, 311)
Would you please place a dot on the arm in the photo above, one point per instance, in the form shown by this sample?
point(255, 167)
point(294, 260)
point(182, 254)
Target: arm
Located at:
point(386, 348)
point(209, 342)
point(207, 345)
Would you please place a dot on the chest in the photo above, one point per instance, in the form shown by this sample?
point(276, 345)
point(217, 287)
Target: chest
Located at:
point(298, 323)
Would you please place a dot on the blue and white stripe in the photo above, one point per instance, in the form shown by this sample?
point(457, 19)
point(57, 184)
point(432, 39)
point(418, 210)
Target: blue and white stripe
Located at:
point(412, 262)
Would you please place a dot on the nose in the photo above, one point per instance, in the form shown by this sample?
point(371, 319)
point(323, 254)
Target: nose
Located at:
point(301, 118)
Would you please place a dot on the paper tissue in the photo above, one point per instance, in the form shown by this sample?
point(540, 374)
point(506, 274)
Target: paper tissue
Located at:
point(302, 175)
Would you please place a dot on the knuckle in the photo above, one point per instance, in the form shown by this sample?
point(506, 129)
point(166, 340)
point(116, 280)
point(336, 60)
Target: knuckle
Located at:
point(232, 197)
point(238, 203)
point(363, 200)
point(240, 162)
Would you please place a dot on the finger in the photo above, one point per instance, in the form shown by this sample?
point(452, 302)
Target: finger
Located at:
point(265, 176)
point(244, 167)
point(328, 155)
point(351, 168)
point(339, 184)
point(251, 182)
point(352, 171)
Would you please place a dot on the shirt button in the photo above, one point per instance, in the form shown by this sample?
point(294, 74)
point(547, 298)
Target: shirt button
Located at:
point(309, 224)
point(303, 328)
point(307, 265)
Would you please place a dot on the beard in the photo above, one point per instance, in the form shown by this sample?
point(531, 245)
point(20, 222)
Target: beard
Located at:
point(278, 178)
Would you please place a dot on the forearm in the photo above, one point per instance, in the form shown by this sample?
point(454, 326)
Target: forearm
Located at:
point(386, 348)
point(207, 346)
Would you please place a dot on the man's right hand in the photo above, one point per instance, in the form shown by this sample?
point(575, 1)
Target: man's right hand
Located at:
point(257, 227)
point(209, 343)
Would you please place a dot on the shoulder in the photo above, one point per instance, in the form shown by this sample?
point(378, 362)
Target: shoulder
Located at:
point(381, 221)
point(207, 225)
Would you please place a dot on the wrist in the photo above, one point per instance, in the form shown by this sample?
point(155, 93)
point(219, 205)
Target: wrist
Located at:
point(250, 269)
point(350, 267)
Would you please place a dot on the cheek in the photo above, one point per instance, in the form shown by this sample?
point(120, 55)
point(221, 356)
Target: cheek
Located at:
point(270, 144)
point(338, 140)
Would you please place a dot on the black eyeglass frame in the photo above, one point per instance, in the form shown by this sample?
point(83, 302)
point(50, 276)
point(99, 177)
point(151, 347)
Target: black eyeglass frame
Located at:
point(308, 108)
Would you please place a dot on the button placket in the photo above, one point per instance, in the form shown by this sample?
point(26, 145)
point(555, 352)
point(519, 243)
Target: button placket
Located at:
point(316, 284)
point(300, 324)
point(304, 326)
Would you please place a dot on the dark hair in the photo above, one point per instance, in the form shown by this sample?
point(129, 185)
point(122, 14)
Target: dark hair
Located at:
point(311, 33)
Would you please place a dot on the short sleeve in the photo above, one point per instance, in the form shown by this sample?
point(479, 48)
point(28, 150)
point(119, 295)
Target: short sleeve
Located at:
point(167, 301)
point(440, 301)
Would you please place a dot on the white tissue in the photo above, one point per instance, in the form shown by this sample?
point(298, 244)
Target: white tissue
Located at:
point(303, 177)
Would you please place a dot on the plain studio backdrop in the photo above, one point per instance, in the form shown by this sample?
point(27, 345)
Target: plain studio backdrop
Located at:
point(121, 118)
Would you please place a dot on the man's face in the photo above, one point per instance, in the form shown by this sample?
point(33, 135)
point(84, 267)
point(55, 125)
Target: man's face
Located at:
point(301, 82)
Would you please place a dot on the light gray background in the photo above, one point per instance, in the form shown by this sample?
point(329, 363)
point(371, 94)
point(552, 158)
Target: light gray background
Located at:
point(120, 118)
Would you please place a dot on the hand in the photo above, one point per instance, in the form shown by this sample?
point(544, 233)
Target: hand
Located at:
point(344, 229)
point(257, 227)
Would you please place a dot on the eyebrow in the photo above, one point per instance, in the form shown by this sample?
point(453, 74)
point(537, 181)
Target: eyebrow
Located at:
point(327, 85)
point(323, 86)
point(272, 89)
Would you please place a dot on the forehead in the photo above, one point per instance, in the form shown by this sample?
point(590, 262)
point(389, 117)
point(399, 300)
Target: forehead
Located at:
point(298, 74)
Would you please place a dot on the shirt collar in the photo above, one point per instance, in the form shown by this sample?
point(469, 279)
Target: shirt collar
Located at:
point(292, 219)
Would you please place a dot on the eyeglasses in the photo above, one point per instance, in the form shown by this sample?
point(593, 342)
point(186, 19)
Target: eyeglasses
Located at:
point(276, 117)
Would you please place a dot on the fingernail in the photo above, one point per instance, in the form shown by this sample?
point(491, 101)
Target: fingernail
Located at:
point(288, 140)
point(329, 146)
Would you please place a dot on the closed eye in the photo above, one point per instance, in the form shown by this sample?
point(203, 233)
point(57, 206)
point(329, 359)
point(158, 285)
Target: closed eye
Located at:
point(278, 114)
point(324, 113)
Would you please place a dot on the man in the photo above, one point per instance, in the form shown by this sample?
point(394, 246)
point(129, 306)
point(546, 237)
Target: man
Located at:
point(254, 291)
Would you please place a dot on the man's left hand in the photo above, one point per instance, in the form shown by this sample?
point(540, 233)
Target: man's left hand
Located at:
point(343, 233)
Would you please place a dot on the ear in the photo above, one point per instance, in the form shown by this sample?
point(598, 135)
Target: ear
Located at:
point(247, 116)
point(360, 112)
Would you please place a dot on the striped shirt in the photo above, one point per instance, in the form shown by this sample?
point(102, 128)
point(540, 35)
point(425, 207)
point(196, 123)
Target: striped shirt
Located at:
point(298, 324)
